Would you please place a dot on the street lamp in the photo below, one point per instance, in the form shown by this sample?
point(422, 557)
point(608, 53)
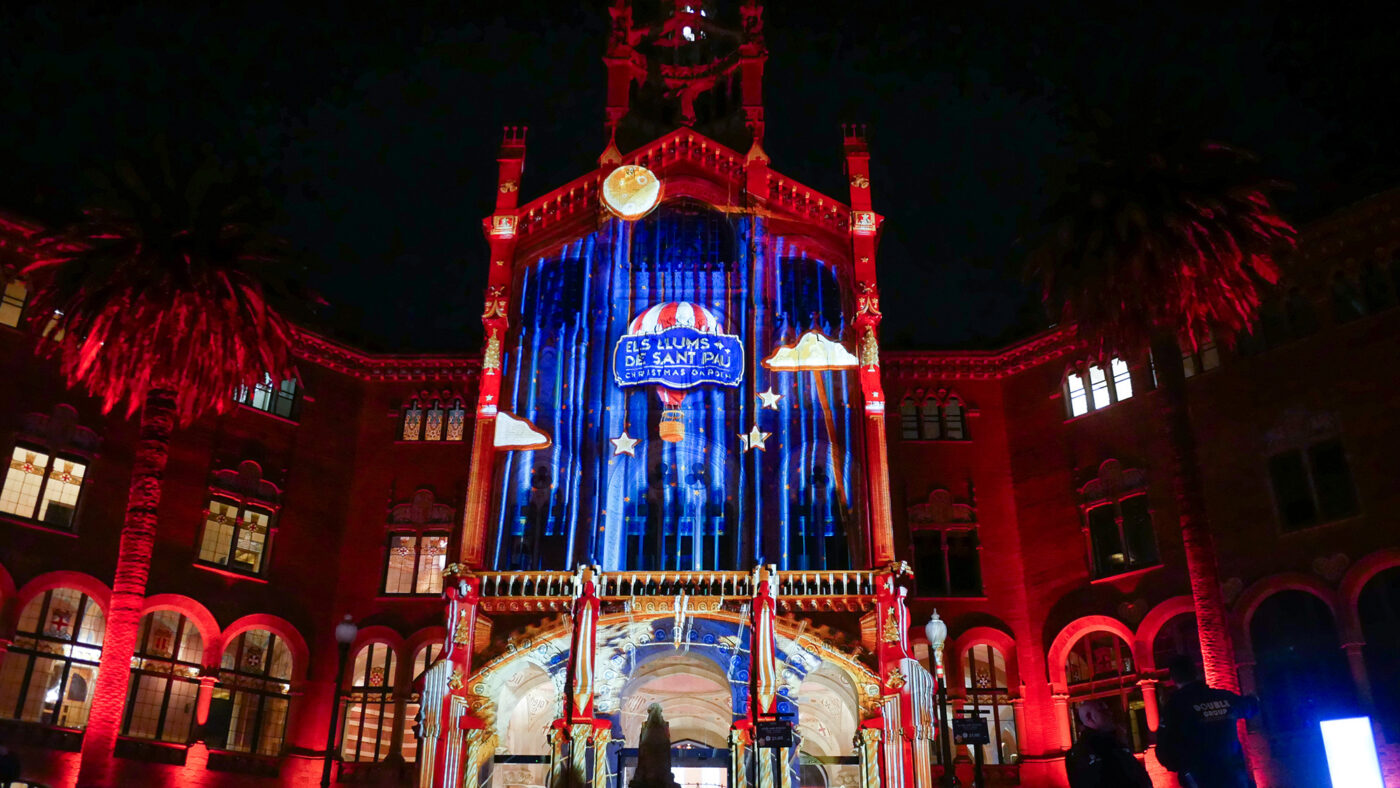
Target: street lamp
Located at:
point(345, 633)
point(937, 632)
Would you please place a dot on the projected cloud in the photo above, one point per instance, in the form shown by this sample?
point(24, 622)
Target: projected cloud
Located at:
point(814, 351)
point(513, 432)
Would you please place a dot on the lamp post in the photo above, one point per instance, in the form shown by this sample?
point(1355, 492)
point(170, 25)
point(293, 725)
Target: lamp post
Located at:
point(345, 633)
point(937, 632)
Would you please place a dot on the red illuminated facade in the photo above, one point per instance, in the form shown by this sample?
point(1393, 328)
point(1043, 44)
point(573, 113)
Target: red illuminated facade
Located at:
point(1025, 487)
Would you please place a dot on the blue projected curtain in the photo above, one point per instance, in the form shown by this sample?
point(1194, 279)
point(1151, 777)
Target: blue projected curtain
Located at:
point(700, 503)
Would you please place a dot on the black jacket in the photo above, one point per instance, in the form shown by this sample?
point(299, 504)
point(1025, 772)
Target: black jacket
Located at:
point(1099, 760)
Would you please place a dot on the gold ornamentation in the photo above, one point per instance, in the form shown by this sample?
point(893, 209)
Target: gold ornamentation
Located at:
point(456, 680)
point(891, 628)
point(461, 634)
point(491, 360)
point(508, 187)
point(869, 349)
point(496, 302)
point(503, 226)
point(896, 679)
point(860, 182)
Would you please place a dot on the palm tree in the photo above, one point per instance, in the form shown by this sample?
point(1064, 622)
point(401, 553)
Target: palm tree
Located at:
point(1153, 252)
point(156, 301)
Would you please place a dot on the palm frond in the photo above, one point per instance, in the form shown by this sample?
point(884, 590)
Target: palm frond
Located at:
point(164, 287)
point(1179, 240)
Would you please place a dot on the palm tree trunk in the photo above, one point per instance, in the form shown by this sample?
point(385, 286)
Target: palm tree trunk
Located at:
point(128, 589)
point(1212, 620)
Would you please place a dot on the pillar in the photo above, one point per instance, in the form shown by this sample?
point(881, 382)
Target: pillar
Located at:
point(602, 736)
point(1061, 704)
point(738, 754)
point(1149, 702)
point(868, 742)
point(501, 228)
point(445, 704)
point(865, 225)
point(1356, 660)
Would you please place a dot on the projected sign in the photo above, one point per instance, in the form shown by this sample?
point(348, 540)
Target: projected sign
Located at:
point(677, 346)
point(679, 358)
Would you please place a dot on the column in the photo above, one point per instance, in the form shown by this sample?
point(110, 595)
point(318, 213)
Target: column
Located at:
point(1356, 660)
point(602, 735)
point(1149, 702)
point(501, 229)
point(868, 740)
point(1061, 703)
point(738, 755)
point(445, 706)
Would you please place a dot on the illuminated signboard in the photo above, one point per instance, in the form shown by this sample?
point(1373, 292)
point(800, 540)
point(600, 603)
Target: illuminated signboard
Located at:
point(679, 358)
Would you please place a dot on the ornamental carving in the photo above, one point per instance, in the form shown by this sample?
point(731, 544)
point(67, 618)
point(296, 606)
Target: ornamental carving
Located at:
point(509, 186)
point(869, 349)
point(491, 359)
point(941, 509)
point(891, 628)
point(860, 182)
point(895, 680)
point(497, 304)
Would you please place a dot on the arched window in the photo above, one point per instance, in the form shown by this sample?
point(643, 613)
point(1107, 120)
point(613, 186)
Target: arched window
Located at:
point(1100, 666)
point(51, 670)
point(909, 419)
point(1301, 676)
point(369, 709)
point(1089, 387)
point(164, 678)
point(422, 660)
point(249, 709)
point(929, 421)
point(1379, 609)
point(985, 681)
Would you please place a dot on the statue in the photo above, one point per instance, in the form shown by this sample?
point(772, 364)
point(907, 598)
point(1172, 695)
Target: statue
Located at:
point(654, 753)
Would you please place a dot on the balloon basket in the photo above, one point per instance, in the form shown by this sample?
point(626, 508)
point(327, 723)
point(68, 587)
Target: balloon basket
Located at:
point(672, 427)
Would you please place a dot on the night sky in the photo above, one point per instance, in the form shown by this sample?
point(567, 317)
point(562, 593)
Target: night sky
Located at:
point(376, 130)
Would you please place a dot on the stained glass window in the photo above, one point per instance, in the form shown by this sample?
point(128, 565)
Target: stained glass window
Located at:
point(432, 427)
point(456, 421)
point(39, 486)
point(984, 680)
point(369, 709)
point(164, 679)
point(234, 536)
point(50, 671)
point(249, 708)
point(414, 564)
point(412, 421)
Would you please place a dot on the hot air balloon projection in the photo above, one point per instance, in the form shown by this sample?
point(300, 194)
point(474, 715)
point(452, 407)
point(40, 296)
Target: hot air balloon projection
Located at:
point(676, 346)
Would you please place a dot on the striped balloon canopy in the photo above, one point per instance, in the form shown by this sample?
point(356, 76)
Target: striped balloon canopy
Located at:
point(673, 314)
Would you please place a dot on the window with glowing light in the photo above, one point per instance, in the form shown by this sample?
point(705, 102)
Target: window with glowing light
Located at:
point(248, 712)
point(1120, 533)
point(160, 702)
point(12, 301)
point(280, 399)
point(1101, 667)
point(1312, 485)
point(369, 707)
point(42, 487)
point(432, 419)
point(1089, 387)
point(987, 688)
point(422, 660)
point(235, 535)
point(50, 671)
point(415, 563)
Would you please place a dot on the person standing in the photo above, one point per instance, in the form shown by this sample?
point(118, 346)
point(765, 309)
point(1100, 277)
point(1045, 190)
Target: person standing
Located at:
point(1100, 759)
point(1197, 737)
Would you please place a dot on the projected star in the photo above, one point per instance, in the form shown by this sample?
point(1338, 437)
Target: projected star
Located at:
point(624, 445)
point(769, 399)
point(753, 439)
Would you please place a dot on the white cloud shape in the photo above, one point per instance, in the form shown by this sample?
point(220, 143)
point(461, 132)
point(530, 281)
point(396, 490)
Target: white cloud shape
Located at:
point(814, 351)
point(513, 432)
